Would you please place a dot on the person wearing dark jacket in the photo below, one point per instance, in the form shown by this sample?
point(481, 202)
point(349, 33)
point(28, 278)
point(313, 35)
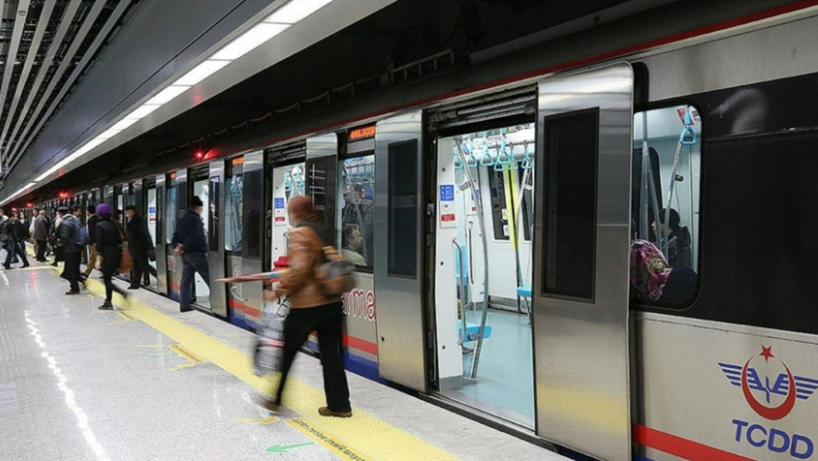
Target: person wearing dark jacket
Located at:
point(67, 236)
point(15, 233)
point(41, 235)
point(139, 244)
point(109, 250)
point(190, 241)
point(91, 223)
point(311, 310)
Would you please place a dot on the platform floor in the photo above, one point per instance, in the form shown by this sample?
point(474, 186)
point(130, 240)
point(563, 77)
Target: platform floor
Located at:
point(146, 382)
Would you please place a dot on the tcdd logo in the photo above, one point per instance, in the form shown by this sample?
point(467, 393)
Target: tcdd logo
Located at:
point(779, 391)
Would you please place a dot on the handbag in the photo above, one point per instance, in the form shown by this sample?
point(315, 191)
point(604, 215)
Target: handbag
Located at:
point(269, 347)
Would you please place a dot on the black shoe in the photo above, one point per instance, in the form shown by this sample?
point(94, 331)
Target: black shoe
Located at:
point(69, 293)
point(133, 287)
point(106, 306)
point(6, 267)
point(186, 309)
point(26, 265)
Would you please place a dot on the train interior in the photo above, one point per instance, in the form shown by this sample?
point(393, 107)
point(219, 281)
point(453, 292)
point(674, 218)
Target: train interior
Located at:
point(483, 282)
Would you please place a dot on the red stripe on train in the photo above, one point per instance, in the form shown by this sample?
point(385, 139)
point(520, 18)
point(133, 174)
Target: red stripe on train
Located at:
point(678, 446)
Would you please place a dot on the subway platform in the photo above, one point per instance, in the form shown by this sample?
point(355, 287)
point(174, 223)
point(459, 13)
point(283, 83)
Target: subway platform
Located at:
point(145, 382)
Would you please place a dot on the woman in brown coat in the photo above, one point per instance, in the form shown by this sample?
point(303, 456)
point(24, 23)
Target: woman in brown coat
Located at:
point(311, 310)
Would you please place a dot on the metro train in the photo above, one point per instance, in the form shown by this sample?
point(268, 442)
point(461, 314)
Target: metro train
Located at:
point(496, 232)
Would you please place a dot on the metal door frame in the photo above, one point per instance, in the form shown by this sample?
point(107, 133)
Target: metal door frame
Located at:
point(161, 245)
point(216, 257)
point(400, 321)
point(253, 175)
point(581, 348)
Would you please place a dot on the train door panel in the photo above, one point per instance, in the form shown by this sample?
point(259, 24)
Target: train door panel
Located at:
point(199, 186)
point(215, 239)
point(233, 227)
point(253, 231)
point(580, 282)
point(176, 206)
point(162, 237)
point(399, 258)
point(356, 240)
point(151, 217)
point(288, 182)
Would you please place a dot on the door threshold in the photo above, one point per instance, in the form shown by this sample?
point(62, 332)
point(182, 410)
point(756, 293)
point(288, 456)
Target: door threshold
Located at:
point(492, 421)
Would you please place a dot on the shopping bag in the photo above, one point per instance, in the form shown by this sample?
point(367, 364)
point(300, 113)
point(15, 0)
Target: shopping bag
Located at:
point(269, 348)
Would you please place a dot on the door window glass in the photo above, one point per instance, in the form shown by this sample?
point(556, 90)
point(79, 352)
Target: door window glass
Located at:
point(357, 204)
point(170, 214)
point(665, 205)
point(234, 204)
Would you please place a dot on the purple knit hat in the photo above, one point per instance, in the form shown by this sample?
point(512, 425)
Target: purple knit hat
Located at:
point(104, 211)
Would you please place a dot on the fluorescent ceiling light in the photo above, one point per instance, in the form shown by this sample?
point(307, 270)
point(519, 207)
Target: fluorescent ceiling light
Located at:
point(124, 123)
point(249, 41)
point(201, 72)
point(296, 10)
point(141, 112)
point(30, 185)
point(109, 133)
point(166, 95)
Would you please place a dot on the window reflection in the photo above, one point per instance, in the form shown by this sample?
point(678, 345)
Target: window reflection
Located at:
point(357, 202)
point(234, 213)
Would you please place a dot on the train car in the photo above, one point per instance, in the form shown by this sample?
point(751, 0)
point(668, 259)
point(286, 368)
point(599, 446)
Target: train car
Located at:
point(612, 255)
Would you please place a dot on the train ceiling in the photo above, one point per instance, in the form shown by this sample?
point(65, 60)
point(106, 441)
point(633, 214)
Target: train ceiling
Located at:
point(46, 46)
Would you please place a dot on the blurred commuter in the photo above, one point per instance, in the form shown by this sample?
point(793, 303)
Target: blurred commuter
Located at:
point(68, 236)
point(654, 280)
point(14, 233)
point(190, 241)
point(311, 310)
point(352, 241)
point(109, 252)
point(91, 223)
point(41, 235)
point(139, 244)
point(59, 254)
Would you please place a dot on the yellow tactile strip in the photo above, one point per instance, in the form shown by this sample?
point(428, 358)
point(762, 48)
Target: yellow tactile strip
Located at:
point(362, 437)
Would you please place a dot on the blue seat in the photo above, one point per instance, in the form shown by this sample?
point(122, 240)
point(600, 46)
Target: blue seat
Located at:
point(473, 331)
point(524, 291)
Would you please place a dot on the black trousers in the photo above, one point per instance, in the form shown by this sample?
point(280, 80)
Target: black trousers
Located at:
point(41, 247)
point(140, 268)
point(328, 322)
point(71, 270)
point(110, 264)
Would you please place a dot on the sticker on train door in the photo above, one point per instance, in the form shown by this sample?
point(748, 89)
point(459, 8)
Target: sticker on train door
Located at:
point(448, 218)
point(280, 217)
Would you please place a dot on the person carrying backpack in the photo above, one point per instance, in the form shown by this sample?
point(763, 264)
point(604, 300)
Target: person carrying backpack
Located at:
point(70, 238)
point(311, 309)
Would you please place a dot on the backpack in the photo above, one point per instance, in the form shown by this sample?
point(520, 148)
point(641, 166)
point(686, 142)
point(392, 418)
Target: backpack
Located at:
point(335, 275)
point(82, 236)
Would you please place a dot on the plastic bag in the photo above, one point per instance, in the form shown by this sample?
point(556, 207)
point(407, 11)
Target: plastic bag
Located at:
point(269, 348)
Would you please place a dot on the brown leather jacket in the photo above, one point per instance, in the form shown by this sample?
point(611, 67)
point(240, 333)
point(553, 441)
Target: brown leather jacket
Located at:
point(304, 253)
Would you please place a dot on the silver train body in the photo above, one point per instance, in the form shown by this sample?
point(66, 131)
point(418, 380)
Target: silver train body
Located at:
point(716, 376)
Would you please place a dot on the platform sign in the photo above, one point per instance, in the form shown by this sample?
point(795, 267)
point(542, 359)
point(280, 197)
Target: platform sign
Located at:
point(447, 209)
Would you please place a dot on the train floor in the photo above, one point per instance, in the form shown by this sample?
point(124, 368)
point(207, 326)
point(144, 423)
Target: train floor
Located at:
point(505, 381)
point(145, 382)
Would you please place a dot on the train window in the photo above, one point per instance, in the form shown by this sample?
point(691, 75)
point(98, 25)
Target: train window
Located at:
point(170, 214)
point(356, 202)
point(570, 203)
point(403, 204)
point(234, 212)
point(665, 205)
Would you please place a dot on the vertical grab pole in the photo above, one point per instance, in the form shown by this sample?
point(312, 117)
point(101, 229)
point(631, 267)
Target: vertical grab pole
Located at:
point(462, 285)
point(479, 202)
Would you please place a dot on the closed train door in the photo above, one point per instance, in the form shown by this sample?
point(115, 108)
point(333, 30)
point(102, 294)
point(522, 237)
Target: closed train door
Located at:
point(215, 238)
point(581, 248)
point(164, 231)
point(399, 250)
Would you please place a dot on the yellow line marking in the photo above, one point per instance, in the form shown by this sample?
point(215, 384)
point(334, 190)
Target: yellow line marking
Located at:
point(337, 448)
point(382, 441)
point(263, 421)
point(182, 366)
point(185, 354)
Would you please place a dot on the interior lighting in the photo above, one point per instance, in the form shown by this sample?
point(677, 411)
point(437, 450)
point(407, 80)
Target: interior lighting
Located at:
point(124, 123)
point(296, 10)
point(109, 133)
point(250, 40)
point(167, 95)
point(141, 112)
point(201, 72)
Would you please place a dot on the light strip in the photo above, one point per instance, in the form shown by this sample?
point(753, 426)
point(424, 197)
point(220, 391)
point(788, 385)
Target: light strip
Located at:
point(285, 16)
point(251, 40)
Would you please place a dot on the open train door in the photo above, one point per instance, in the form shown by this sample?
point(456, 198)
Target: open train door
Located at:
point(580, 291)
point(399, 218)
